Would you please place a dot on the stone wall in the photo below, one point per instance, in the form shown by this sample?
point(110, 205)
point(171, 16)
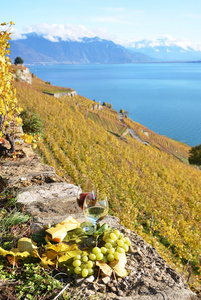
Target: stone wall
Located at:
point(23, 75)
point(57, 95)
point(72, 94)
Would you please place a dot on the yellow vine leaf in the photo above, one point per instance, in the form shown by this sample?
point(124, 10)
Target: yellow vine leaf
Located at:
point(58, 254)
point(26, 244)
point(49, 258)
point(25, 248)
point(105, 268)
point(14, 253)
point(119, 265)
point(61, 247)
point(67, 255)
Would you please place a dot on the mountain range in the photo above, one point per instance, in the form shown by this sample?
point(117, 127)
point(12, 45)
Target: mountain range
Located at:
point(38, 49)
point(166, 49)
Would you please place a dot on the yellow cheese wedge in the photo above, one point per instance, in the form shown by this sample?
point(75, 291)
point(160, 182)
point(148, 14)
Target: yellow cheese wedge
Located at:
point(58, 239)
point(60, 230)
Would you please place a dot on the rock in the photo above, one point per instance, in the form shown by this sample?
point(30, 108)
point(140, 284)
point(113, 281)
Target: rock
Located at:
point(27, 171)
point(120, 293)
point(106, 279)
point(23, 74)
point(79, 281)
point(89, 294)
point(50, 203)
point(90, 279)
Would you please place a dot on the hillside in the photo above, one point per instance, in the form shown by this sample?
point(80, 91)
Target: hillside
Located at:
point(35, 49)
point(149, 188)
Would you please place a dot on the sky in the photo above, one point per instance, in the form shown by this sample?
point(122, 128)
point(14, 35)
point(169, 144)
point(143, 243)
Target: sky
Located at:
point(117, 20)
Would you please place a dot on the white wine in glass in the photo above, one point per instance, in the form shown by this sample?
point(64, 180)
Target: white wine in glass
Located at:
point(95, 209)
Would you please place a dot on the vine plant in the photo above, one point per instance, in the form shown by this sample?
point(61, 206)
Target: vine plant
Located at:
point(9, 108)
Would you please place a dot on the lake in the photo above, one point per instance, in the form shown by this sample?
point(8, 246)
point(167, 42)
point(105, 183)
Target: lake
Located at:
point(165, 97)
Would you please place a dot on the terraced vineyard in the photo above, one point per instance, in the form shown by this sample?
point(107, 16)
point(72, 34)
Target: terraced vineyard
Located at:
point(151, 191)
point(178, 149)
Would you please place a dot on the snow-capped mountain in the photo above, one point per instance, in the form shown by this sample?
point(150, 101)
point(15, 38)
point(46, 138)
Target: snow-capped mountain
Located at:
point(167, 49)
point(36, 49)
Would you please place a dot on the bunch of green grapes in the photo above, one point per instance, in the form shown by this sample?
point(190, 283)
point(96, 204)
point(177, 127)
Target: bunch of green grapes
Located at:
point(83, 265)
point(115, 243)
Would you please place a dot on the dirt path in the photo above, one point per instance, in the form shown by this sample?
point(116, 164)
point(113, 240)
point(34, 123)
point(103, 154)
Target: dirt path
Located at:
point(130, 130)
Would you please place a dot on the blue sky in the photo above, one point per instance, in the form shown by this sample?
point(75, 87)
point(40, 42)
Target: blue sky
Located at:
point(118, 20)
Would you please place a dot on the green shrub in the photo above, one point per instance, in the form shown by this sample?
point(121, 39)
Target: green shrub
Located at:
point(32, 124)
point(195, 155)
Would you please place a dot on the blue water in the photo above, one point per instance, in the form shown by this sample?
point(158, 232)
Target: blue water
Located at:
point(165, 97)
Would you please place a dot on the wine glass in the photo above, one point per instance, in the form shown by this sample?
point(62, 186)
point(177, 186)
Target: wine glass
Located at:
point(95, 208)
point(81, 196)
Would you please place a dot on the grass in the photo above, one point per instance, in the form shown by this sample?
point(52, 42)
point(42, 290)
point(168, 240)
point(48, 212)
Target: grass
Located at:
point(28, 279)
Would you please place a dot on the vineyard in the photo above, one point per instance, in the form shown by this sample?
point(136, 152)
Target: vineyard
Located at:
point(178, 149)
point(148, 187)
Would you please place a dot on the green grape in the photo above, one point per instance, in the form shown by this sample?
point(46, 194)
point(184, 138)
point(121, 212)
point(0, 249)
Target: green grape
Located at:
point(85, 273)
point(92, 256)
point(83, 266)
point(77, 257)
point(77, 270)
point(120, 250)
point(96, 250)
point(111, 251)
point(125, 247)
point(116, 255)
point(110, 241)
point(104, 259)
point(120, 243)
point(108, 245)
point(85, 258)
point(127, 241)
point(123, 239)
point(90, 264)
point(110, 257)
point(90, 272)
point(103, 250)
point(117, 232)
point(76, 263)
point(99, 256)
point(113, 236)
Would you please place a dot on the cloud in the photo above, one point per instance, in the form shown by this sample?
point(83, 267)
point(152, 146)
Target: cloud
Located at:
point(103, 33)
point(16, 35)
point(64, 32)
point(165, 40)
point(54, 32)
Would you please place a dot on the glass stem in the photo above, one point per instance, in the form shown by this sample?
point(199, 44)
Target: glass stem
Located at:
point(95, 227)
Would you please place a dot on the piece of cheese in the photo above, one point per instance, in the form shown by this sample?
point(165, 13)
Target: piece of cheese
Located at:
point(58, 239)
point(62, 228)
